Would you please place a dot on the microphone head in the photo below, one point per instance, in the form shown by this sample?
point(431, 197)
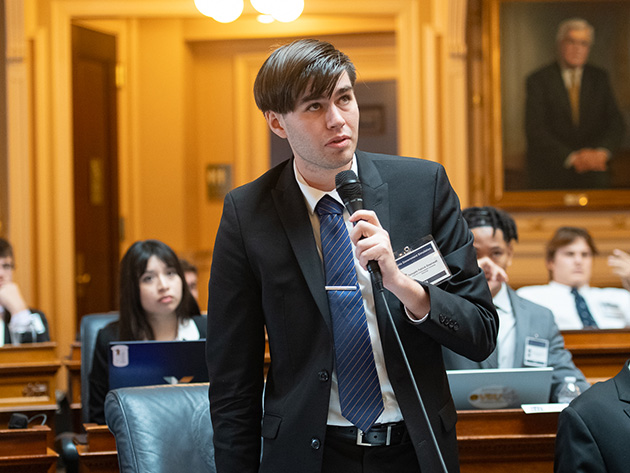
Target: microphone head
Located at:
point(350, 190)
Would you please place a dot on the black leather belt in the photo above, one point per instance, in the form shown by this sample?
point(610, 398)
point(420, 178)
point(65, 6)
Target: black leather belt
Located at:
point(380, 435)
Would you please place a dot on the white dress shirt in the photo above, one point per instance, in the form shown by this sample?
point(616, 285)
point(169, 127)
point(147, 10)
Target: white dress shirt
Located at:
point(22, 322)
point(506, 339)
point(392, 411)
point(609, 306)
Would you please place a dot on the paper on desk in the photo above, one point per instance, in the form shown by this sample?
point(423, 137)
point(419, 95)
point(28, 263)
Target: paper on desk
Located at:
point(538, 408)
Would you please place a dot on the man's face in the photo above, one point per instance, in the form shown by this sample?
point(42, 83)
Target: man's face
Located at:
point(6, 269)
point(492, 246)
point(575, 47)
point(495, 248)
point(192, 281)
point(572, 264)
point(322, 131)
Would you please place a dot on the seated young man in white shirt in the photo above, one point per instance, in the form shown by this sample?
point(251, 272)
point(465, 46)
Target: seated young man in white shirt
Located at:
point(521, 322)
point(19, 324)
point(574, 303)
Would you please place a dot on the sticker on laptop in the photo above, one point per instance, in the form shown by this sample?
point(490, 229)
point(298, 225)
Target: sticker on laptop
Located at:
point(120, 356)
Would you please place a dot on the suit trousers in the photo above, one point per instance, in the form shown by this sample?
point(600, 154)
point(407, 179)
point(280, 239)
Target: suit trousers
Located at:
point(343, 456)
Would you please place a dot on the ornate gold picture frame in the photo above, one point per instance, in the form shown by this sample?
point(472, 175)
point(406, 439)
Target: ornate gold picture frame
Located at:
point(520, 39)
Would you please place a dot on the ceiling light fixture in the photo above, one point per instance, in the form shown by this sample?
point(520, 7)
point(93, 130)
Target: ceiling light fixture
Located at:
point(226, 11)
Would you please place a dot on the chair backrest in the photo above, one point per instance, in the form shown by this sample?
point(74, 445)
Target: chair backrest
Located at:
point(90, 325)
point(161, 429)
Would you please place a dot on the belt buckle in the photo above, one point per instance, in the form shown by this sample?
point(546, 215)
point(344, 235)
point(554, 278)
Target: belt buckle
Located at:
point(387, 443)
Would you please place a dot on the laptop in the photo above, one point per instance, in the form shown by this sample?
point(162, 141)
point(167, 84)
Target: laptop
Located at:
point(147, 363)
point(499, 388)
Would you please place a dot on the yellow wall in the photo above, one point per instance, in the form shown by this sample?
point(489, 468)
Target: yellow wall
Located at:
point(185, 102)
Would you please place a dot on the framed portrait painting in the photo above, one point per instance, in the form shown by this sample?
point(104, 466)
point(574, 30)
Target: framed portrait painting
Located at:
point(559, 111)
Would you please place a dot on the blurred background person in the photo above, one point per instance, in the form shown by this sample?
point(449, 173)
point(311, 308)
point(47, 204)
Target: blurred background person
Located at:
point(155, 304)
point(574, 303)
point(20, 324)
point(572, 121)
point(191, 273)
point(519, 319)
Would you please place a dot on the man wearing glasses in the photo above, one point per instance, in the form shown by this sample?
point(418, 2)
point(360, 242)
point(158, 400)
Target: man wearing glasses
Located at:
point(19, 323)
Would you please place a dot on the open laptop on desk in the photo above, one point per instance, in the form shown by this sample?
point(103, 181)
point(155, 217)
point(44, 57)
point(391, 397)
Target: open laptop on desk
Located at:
point(499, 388)
point(147, 363)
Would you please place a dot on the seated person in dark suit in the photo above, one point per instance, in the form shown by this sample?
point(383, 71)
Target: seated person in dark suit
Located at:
point(155, 304)
point(572, 121)
point(519, 319)
point(20, 324)
point(593, 431)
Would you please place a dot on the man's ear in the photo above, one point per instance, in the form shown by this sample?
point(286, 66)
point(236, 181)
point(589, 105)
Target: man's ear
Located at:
point(510, 253)
point(276, 123)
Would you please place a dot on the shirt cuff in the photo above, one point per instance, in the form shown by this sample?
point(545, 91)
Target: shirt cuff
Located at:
point(25, 321)
point(413, 319)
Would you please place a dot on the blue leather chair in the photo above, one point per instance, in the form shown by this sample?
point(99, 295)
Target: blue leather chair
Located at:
point(162, 429)
point(65, 442)
point(90, 325)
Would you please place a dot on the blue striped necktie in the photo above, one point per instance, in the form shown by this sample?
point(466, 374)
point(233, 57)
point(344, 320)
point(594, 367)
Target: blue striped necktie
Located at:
point(359, 389)
point(582, 309)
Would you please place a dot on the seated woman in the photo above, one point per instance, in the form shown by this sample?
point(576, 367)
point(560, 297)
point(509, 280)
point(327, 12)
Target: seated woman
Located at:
point(155, 304)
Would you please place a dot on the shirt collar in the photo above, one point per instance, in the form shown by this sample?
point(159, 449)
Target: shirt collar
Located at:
point(567, 288)
point(502, 299)
point(312, 195)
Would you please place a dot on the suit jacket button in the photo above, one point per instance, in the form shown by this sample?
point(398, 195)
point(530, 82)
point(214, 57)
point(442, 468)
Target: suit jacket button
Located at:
point(323, 375)
point(315, 443)
point(442, 318)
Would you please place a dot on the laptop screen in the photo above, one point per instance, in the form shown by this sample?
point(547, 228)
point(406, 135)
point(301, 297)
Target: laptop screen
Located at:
point(147, 363)
point(499, 388)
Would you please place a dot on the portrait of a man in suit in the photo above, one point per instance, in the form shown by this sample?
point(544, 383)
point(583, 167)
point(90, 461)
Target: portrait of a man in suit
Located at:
point(572, 121)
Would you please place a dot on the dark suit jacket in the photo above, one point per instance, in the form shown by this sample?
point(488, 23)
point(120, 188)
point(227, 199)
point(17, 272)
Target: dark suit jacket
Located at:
point(593, 431)
point(99, 376)
point(266, 273)
point(41, 337)
point(536, 321)
point(552, 136)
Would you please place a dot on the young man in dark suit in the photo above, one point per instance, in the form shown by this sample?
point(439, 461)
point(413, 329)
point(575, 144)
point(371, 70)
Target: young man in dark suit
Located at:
point(267, 273)
point(593, 431)
point(572, 120)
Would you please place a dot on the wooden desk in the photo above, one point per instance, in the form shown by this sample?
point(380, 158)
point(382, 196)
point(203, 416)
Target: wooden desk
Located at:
point(73, 366)
point(489, 442)
point(27, 450)
point(506, 440)
point(27, 374)
point(98, 454)
point(600, 354)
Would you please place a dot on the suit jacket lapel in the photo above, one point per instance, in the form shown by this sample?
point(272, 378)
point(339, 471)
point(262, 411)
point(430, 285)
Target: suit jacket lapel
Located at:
point(560, 91)
point(293, 214)
point(622, 382)
point(521, 327)
point(375, 197)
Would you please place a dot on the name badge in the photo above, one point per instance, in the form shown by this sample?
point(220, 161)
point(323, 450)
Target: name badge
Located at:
point(536, 352)
point(423, 262)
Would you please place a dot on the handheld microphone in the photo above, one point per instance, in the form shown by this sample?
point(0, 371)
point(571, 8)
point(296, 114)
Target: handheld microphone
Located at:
point(351, 192)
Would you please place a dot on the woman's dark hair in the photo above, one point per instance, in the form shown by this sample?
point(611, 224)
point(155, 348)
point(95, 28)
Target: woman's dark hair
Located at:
point(293, 69)
point(133, 323)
